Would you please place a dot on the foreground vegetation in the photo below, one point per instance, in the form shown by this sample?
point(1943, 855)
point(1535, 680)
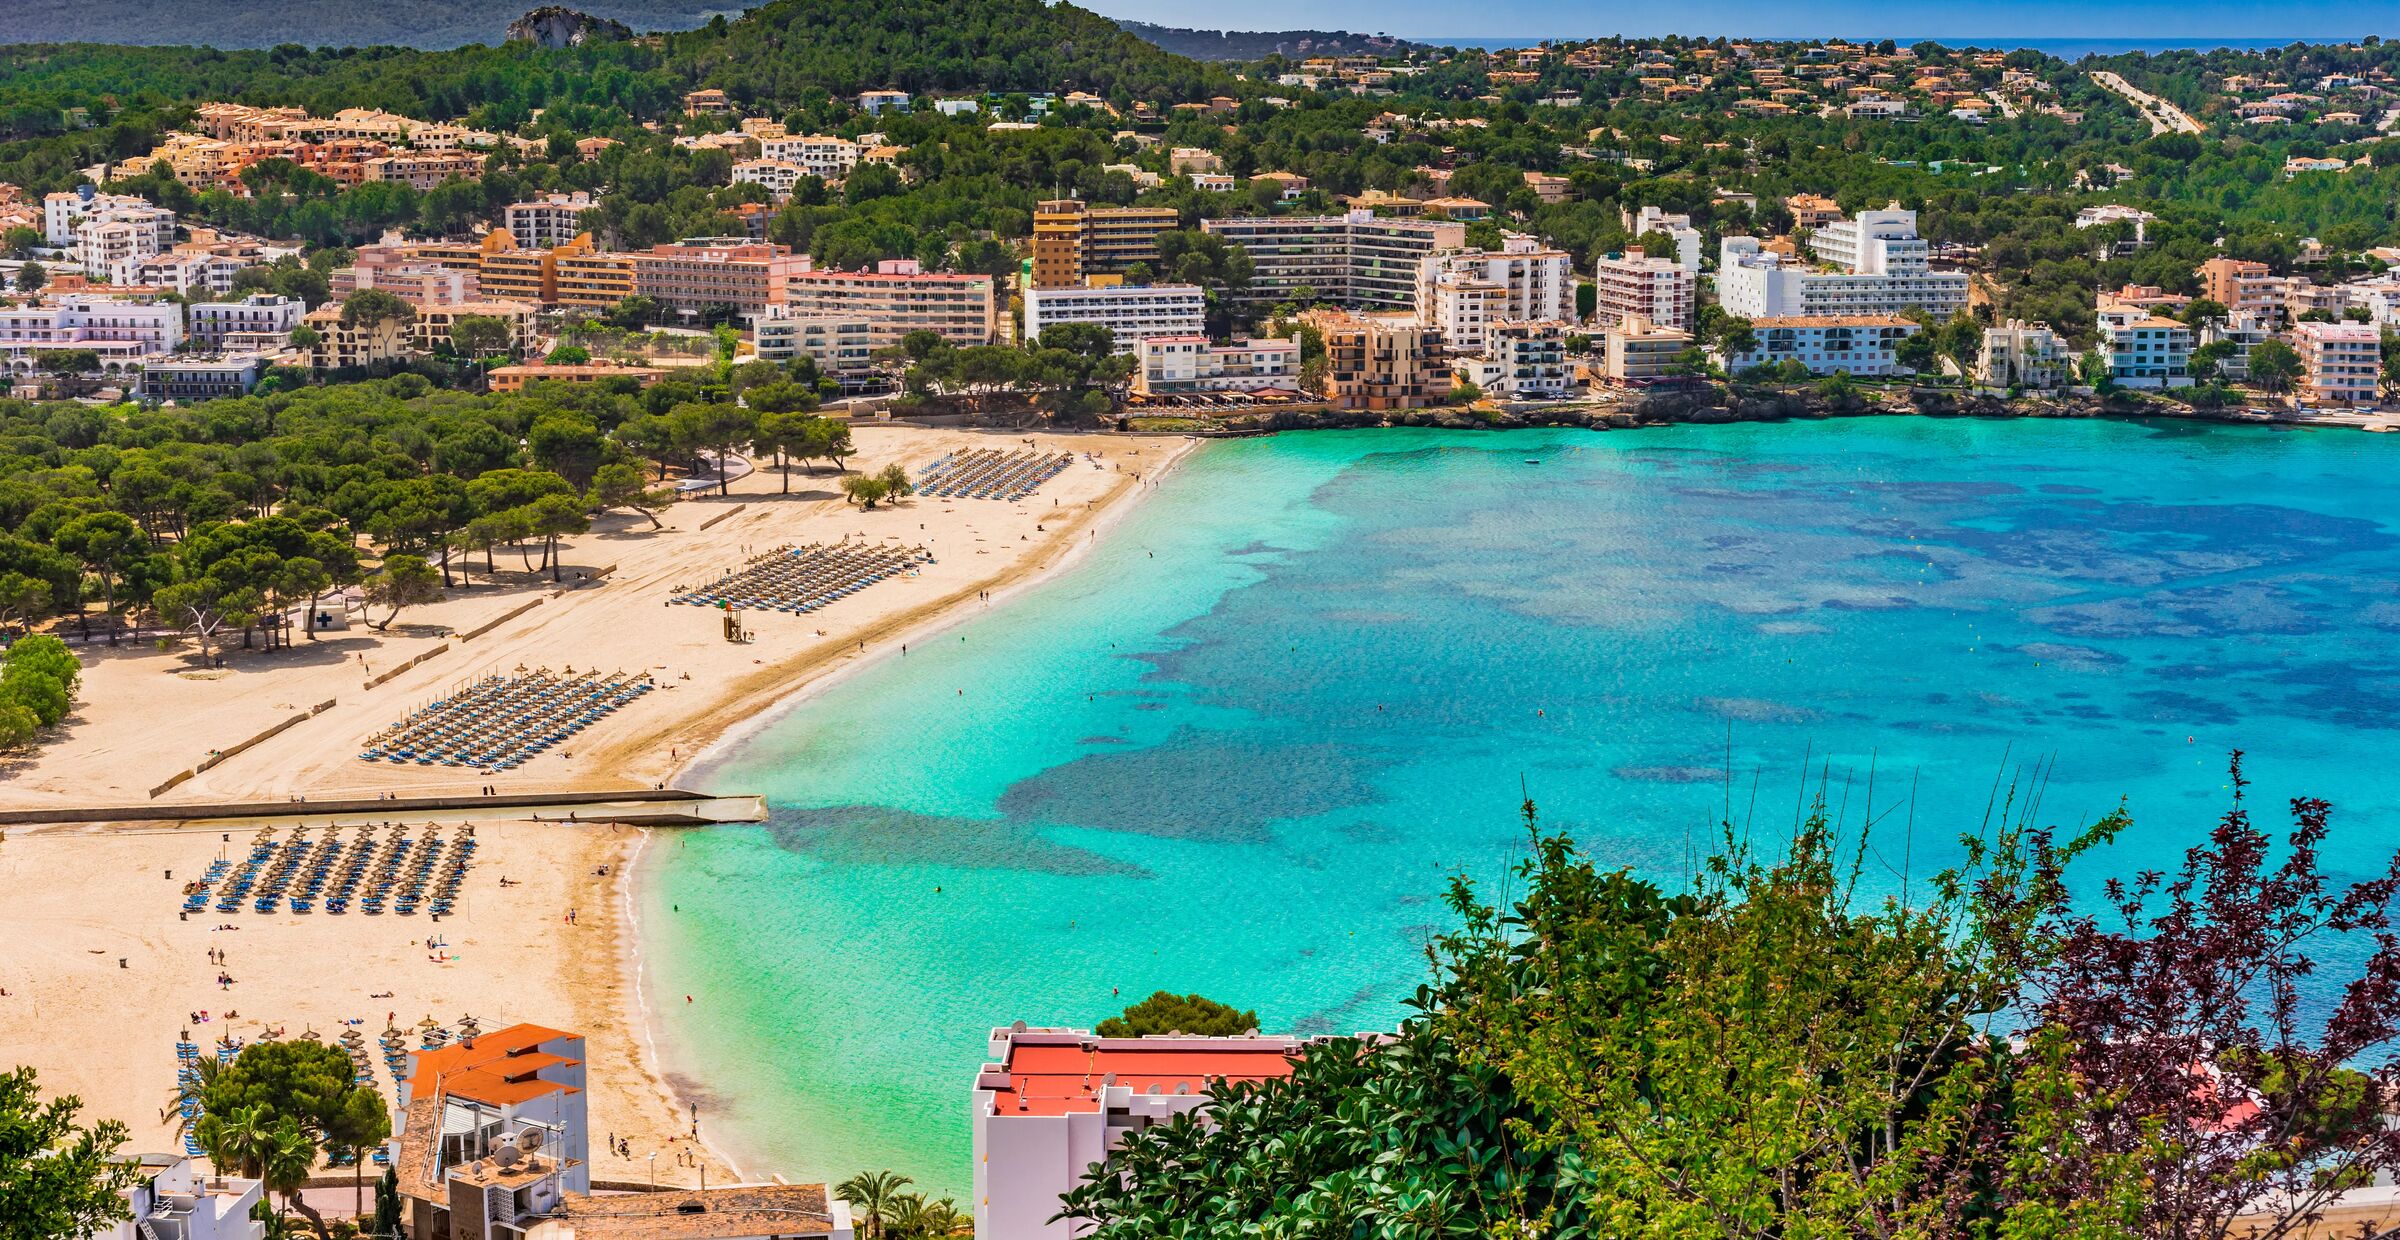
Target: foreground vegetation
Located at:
point(58, 1179)
point(1771, 1052)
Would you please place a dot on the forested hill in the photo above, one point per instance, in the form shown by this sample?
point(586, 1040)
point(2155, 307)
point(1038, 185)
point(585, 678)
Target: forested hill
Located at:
point(786, 55)
point(793, 46)
point(1250, 45)
point(315, 23)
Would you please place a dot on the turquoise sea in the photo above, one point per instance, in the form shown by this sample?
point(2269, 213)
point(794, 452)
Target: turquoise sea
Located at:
point(1237, 748)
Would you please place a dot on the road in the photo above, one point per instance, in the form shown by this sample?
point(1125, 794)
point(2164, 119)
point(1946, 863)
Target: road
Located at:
point(2163, 116)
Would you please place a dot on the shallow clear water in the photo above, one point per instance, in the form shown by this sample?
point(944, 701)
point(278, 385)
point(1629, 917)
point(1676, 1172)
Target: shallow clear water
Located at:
point(1238, 748)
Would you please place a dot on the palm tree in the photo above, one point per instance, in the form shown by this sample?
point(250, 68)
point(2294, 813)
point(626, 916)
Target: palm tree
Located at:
point(903, 1214)
point(289, 1159)
point(192, 1091)
point(211, 1132)
point(873, 1194)
point(920, 1218)
point(238, 1142)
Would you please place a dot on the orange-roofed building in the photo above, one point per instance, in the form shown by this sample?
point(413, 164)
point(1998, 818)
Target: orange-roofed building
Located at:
point(478, 1090)
point(1052, 1102)
point(491, 1146)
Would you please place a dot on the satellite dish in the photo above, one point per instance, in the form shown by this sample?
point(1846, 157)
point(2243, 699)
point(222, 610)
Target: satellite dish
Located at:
point(506, 1156)
point(531, 1139)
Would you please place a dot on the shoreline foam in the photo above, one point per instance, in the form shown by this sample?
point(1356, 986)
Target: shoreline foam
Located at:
point(935, 620)
point(664, 1054)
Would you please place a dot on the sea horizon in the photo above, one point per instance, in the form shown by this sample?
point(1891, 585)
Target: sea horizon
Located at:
point(1250, 736)
point(2071, 48)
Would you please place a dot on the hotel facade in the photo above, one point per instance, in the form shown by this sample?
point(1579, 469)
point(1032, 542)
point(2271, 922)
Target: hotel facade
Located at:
point(899, 297)
point(1874, 263)
point(1358, 260)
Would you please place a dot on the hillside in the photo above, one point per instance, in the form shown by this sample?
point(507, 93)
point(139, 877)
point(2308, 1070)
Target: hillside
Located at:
point(1249, 45)
point(423, 24)
point(792, 46)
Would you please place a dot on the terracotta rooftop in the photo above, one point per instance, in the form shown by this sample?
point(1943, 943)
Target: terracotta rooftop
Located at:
point(1061, 1080)
point(496, 1068)
point(751, 1210)
point(421, 1123)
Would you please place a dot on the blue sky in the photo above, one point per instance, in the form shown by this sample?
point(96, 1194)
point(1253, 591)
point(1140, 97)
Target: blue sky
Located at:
point(1957, 19)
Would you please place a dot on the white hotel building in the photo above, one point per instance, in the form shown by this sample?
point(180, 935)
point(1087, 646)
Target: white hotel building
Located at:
point(1178, 365)
point(841, 347)
point(1132, 311)
point(778, 175)
point(61, 212)
point(123, 333)
point(1876, 264)
point(2144, 350)
point(1866, 344)
point(826, 158)
point(1520, 361)
point(2341, 362)
point(261, 320)
point(113, 243)
point(547, 222)
point(188, 272)
point(1635, 285)
point(1049, 1103)
point(1464, 294)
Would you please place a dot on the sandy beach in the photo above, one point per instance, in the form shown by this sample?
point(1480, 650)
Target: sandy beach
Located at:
point(142, 716)
point(103, 974)
point(76, 900)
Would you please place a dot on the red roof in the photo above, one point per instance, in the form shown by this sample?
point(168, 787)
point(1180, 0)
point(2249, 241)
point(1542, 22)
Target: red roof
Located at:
point(497, 1068)
point(1062, 1080)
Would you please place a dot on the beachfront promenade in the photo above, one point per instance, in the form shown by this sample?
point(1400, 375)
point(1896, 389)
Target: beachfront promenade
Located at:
point(635, 807)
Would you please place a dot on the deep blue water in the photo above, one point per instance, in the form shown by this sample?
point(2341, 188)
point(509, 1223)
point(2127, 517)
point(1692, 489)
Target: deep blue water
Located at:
point(1237, 750)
